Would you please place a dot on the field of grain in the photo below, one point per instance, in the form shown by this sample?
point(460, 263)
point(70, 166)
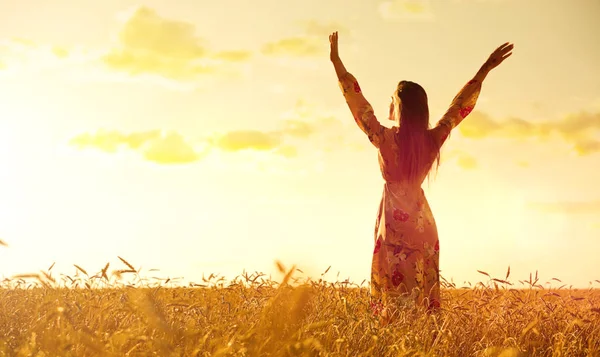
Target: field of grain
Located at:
point(125, 313)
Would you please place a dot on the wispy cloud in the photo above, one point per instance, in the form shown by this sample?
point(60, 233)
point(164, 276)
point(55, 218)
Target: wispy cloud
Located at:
point(296, 130)
point(233, 56)
point(238, 140)
point(295, 46)
point(156, 146)
point(310, 42)
point(151, 44)
point(171, 148)
point(21, 53)
point(463, 159)
point(419, 10)
point(580, 129)
point(151, 47)
point(467, 161)
point(299, 126)
point(111, 141)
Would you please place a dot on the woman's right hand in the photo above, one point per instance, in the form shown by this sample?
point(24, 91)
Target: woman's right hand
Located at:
point(498, 56)
point(333, 42)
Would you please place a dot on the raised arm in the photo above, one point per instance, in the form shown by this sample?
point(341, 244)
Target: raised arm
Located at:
point(361, 110)
point(464, 102)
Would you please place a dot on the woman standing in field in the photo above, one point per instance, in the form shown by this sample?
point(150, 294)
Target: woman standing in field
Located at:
point(406, 254)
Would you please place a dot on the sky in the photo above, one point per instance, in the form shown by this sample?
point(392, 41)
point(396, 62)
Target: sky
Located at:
point(197, 136)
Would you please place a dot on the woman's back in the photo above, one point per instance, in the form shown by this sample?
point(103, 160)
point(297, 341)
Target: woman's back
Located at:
point(392, 161)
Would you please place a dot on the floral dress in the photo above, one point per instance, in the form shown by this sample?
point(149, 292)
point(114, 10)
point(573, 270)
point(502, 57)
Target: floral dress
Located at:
point(406, 255)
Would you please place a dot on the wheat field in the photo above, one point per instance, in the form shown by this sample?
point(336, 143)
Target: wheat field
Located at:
point(127, 313)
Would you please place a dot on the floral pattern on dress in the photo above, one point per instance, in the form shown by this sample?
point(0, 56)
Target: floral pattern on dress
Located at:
point(397, 276)
point(465, 111)
point(421, 217)
point(377, 246)
point(461, 106)
point(400, 215)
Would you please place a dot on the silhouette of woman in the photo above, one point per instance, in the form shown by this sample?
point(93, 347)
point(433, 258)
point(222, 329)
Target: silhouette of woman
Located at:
point(405, 265)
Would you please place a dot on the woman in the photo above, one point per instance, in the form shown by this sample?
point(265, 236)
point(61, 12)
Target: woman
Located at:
point(406, 256)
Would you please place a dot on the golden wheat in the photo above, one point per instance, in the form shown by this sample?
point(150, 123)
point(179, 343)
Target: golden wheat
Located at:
point(105, 315)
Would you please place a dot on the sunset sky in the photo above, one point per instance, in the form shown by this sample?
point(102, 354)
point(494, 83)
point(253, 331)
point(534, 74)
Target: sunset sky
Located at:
point(211, 136)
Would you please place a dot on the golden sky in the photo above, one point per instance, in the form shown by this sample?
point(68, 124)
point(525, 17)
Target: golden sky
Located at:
point(196, 136)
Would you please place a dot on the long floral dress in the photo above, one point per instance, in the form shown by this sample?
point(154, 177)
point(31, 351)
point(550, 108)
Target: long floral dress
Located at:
point(406, 255)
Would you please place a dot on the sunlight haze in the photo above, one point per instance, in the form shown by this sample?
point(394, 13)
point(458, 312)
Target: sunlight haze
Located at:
point(211, 137)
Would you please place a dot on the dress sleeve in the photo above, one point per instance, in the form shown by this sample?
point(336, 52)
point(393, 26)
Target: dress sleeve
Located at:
point(461, 106)
point(361, 110)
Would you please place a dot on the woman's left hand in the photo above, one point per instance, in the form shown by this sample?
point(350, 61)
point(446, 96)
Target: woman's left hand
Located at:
point(499, 55)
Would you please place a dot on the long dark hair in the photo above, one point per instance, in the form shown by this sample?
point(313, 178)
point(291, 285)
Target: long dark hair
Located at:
point(415, 141)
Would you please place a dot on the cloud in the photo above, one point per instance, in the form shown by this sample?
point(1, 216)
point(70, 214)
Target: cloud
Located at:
point(582, 207)
point(233, 56)
point(238, 140)
point(112, 141)
point(146, 45)
point(322, 129)
point(20, 53)
point(406, 10)
point(171, 149)
point(137, 140)
point(312, 42)
point(151, 44)
point(295, 46)
point(162, 148)
point(298, 127)
point(138, 63)
point(288, 151)
point(467, 161)
point(463, 159)
point(576, 129)
point(587, 146)
point(60, 52)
